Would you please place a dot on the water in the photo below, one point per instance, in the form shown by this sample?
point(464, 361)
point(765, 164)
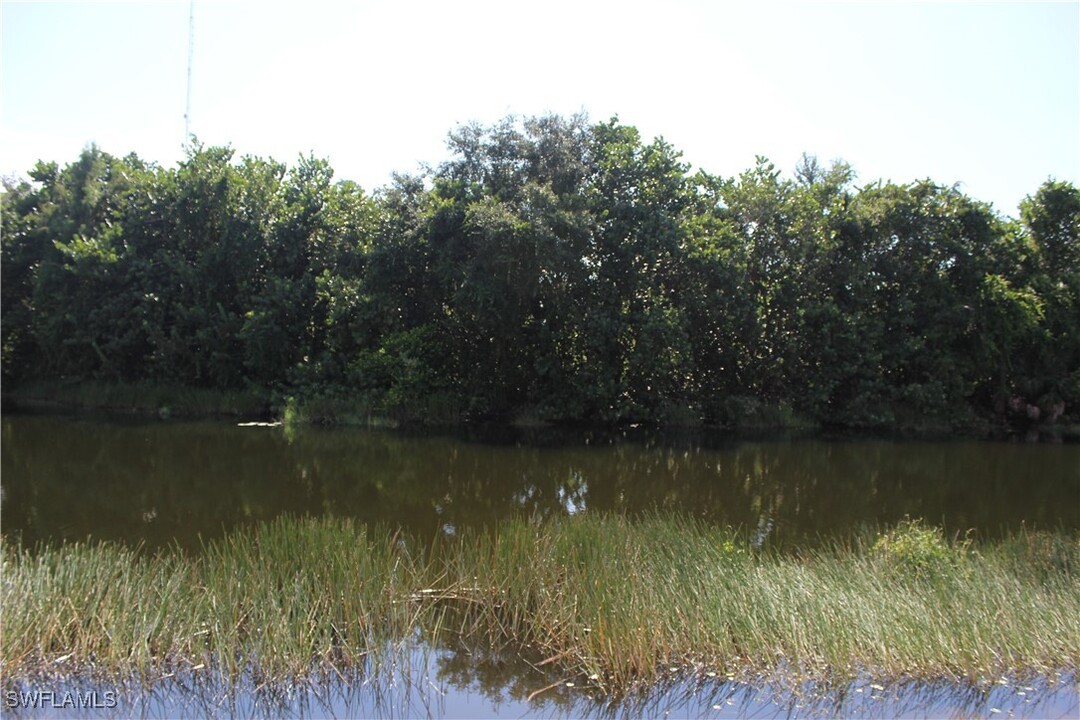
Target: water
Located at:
point(163, 483)
point(155, 484)
point(454, 683)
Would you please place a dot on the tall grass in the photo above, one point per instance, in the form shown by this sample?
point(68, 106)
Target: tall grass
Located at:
point(615, 601)
point(274, 600)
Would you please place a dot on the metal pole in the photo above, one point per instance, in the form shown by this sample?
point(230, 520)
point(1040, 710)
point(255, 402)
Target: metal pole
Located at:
point(190, 57)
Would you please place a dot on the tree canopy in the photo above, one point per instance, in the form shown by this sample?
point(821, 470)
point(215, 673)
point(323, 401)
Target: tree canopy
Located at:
point(554, 268)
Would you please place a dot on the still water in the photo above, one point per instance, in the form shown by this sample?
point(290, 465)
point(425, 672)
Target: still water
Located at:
point(446, 683)
point(154, 483)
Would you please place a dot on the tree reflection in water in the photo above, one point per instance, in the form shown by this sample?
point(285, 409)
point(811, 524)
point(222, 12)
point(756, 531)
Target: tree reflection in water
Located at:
point(158, 484)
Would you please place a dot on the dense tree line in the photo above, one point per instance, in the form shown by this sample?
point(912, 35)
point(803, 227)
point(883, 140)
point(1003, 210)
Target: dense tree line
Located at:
point(553, 268)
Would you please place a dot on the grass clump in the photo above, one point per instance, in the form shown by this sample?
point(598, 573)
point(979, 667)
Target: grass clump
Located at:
point(274, 601)
point(615, 601)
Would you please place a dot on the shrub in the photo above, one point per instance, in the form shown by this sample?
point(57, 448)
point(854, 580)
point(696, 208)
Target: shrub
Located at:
point(913, 549)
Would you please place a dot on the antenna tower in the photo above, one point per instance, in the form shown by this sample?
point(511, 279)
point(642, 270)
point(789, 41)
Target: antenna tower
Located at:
point(190, 57)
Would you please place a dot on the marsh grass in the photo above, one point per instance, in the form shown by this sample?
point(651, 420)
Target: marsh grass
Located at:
point(617, 603)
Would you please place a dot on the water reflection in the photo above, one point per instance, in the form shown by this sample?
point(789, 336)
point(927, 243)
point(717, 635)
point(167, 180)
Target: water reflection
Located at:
point(160, 483)
point(456, 682)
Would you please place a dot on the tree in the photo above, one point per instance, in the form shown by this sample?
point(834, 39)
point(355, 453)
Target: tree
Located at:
point(1051, 229)
point(555, 268)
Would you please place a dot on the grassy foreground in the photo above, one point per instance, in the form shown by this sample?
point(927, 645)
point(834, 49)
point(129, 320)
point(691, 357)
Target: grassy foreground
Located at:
point(611, 600)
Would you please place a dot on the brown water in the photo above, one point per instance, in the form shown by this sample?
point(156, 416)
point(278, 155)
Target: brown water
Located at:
point(158, 483)
point(155, 483)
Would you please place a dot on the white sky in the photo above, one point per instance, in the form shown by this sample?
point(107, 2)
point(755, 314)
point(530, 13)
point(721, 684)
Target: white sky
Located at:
point(986, 94)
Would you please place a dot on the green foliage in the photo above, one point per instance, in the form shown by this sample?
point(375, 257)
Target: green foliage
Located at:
point(1043, 555)
point(554, 268)
point(914, 550)
point(162, 399)
point(605, 598)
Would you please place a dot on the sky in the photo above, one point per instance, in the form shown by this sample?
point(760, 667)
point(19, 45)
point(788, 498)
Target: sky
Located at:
point(982, 94)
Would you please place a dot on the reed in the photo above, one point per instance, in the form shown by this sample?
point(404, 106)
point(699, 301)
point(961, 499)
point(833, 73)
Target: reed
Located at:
point(616, 602)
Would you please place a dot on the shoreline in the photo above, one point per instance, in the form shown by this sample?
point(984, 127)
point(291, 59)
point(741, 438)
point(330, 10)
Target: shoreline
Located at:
point(164, 402)
point(613, 601)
